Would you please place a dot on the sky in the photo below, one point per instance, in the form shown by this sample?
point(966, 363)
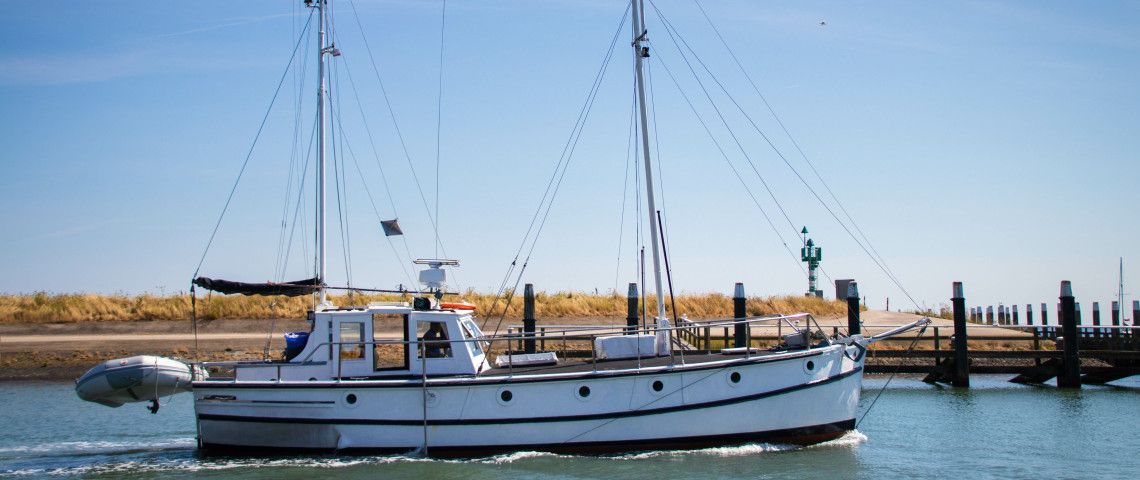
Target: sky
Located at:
point(993, 143)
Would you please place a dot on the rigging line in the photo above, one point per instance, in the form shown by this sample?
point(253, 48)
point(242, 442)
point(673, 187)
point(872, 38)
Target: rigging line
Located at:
point(625, 193)
point(723, 120)
point(376, 157)
point(395, 124)
point(787, 133)
point(371, 138)
point(657, 146)
point(338, 172)
point(568, 154)
point(298, 205)
point(731, 166)
point(371, 199)
point(383, 177)
point(439, 119)
point(674, 35)
point(249, 154)
point(298, 87)
point(871, 252)
point(898, 367)
point(656, 138)
point(582, 113)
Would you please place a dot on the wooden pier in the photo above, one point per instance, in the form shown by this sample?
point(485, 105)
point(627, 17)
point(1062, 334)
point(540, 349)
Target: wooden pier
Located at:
point(1031, 347)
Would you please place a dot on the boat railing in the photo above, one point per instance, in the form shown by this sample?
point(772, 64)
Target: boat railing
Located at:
point(513, 342)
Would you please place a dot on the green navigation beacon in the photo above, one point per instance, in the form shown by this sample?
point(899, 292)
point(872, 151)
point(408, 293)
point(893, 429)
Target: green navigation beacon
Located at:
point(812, 255)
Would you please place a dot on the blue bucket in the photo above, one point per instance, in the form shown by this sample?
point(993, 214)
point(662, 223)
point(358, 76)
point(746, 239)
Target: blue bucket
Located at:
point(295, 344)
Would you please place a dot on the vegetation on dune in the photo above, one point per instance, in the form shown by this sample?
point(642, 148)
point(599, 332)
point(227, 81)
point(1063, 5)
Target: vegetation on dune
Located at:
point(70, 308)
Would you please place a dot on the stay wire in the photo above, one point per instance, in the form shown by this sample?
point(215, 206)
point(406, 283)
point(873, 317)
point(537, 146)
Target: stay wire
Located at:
point(249, 154)
point(396, 126)
point(917, 336)
point(383, 176)
point(299, 75)
point(724, 121)
point(297, 217)
point(563, 163)
point(735, 171)
point(867, 248)
point(629, 163)
point(372, 201)
point(439, 118)
point(555, 179)
point(792, 139)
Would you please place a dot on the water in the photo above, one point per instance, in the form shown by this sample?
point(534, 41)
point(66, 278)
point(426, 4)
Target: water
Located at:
point(994, 430)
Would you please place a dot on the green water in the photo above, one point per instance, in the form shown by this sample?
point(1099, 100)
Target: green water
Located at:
point(994, 430)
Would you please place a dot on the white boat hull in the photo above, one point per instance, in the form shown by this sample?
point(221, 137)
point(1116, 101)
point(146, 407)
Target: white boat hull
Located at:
point(774, 398)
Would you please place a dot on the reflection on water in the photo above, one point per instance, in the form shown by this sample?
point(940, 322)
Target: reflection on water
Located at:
point(915, 429)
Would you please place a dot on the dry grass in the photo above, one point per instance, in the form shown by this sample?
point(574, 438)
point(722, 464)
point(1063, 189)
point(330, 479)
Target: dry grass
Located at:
point(72, 308)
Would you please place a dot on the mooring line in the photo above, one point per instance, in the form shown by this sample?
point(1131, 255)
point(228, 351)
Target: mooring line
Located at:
point(917, 337)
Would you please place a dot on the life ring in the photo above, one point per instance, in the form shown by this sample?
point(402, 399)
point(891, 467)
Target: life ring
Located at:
point(457, 306)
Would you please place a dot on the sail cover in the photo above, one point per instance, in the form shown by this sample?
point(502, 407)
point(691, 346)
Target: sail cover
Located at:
point(290, 289)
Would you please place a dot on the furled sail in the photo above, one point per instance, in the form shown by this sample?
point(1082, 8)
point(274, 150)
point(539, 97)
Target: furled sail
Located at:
point(290, 289)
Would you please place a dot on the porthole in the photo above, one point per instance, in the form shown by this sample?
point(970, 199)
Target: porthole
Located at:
point(584, 391)
point(810, 365)
point(734, 377)
point(350, 399)
point(657, 385)
point(506, 396)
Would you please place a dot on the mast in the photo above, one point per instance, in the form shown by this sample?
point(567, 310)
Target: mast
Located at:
point(321, 52)
point(640, 52)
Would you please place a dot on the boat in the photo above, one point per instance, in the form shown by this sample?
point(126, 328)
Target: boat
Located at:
point(141, 378)
point(421, 376)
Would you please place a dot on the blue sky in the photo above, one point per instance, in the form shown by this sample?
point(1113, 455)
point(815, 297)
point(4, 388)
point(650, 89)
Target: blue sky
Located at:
point(988, 142)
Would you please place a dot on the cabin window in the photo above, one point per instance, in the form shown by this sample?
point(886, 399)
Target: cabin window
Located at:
point(468, 331)
point(390, 341)
point(434, 338)
point(351, 340)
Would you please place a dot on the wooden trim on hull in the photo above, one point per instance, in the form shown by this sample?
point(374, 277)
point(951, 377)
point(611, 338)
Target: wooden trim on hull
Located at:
point(795, 436)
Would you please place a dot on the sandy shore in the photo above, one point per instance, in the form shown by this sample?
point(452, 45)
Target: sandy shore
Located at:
point(56, 351)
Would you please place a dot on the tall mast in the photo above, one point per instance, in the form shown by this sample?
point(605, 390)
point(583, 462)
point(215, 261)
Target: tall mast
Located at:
point(640, 52)
point(321, 51)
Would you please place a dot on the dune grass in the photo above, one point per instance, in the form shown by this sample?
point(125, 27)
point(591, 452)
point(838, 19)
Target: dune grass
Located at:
point(72, 308)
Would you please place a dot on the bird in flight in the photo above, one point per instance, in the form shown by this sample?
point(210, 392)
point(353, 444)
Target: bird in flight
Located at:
point(822, 23)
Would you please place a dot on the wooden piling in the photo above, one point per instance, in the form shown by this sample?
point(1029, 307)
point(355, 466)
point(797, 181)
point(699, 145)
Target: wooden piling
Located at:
point(853, 325)
point(990, 315)
point(739, 312)
point(631, 317)
point(961, 359)
point(1135, 316)
point(1015, 314)
point(1070, 375)
point(1115, 319)
point(528, 318)
point(1096, 319)
point(1029, 314)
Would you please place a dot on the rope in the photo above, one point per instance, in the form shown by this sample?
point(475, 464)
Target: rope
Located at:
point(400, 136)
point(256, 137)
point(877, 260)
point(892, 377)
point(555, 182)
point(787, 133)
point(735, 171)
point(439, 121)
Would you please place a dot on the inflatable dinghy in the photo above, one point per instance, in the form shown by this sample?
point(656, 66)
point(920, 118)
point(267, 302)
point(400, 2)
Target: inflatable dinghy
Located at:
point(140, 378)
